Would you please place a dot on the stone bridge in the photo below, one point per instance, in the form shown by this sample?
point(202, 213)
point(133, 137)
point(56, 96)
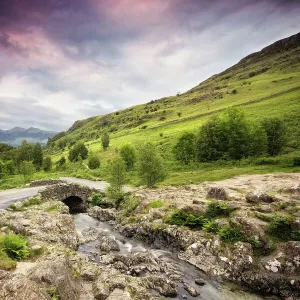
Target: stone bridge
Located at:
point(75, 196)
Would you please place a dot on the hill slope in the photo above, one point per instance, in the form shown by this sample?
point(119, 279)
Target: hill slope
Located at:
point(263, 84)
point(15, 135)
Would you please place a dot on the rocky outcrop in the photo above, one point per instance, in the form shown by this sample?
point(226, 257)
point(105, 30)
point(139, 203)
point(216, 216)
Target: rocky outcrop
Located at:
point(46, 223)
point(218, 193)
point(102, 214)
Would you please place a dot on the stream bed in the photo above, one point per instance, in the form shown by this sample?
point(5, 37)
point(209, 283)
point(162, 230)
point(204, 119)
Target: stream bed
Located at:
point(211, 290)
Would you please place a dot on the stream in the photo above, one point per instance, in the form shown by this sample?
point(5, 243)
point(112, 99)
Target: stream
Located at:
point(210, 291)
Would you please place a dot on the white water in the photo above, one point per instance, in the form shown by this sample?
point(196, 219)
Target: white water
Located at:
point(210, 291)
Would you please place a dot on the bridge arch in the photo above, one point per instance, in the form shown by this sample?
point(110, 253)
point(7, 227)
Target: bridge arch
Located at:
point(75, 196)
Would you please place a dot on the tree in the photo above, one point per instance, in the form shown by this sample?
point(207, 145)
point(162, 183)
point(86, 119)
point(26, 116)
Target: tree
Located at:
point(62, 161)
point(275, 130)
point(27, 170)
point(117, 177)
point(10, 167)
point(37, 155)
point(151, 168)
point(79, 150)
point(24, 152)
point(128, 153)
point(184, 150)
point(94, 161)
point(238, 134)
point(105, 140)
point(225, 137)
point(212, 142)
point(2, 170)
point(258, 141)
point(47, 164)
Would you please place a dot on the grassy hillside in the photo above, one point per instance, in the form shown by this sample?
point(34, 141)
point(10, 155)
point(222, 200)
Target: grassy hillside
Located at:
point(264, 84)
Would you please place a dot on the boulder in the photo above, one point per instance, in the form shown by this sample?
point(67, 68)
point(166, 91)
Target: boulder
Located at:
point(102, 214)
point(217, 193)
point(55, 271)
point(258, 197)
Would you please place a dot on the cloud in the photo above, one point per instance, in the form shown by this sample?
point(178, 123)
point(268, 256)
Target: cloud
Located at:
point(68, 60)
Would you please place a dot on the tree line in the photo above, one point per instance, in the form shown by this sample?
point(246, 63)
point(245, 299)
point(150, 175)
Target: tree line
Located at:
point(231, 136)
point(24, 160)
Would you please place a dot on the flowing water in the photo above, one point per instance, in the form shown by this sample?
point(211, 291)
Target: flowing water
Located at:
point(210, 291)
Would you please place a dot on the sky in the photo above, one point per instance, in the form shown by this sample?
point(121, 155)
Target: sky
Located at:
point(66, 60)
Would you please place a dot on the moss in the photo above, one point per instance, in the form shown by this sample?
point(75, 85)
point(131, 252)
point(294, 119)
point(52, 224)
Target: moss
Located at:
point(154, 204)
point(6, 263)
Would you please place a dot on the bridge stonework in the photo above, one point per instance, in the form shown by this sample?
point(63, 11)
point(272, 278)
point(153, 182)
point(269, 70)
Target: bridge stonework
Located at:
point(74, 195)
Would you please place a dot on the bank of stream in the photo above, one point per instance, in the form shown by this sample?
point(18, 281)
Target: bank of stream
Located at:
point(211, 290)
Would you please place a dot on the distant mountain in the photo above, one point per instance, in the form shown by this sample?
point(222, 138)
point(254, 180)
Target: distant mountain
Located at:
point(15, 135)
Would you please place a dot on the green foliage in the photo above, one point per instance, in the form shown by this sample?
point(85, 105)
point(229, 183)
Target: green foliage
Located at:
point(155, 204)
point(217, 209)
point(232, 234)
point(27, 169)
point(184, 150)
point(151, 168)
point(230, 136)
point(15, 246)
point(117, 177)
point(128, 153)
point(79, 151)
point(93, 162)
point(296, 161)
point(210, 226)
point(275, 130)
point(52, 291)
point(98, 200)
point(129, 204)
point(24, 153)
point(61, 163)
point(6, 263)
point(2, 170)
point(258, 143)
point(47, 164)
point(283, 228)
point(10, 167)
point(181, 218)
point(37, 156)
point(32, 201)
point(105, 141)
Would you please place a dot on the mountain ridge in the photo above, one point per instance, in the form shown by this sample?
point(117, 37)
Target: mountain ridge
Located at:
point(15, 135)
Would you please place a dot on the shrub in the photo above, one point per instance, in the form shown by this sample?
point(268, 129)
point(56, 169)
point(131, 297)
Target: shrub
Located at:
point(275, 130)
point(32, 201)
point(79, 151)
point(15, 246)
point(181, 218)
point(105, 140)
point(98, 200)
point(10, 167)
point(184, 150)
point(210, 226)
point(296, 161)
point(94, 162)
point(150, 166)
point(128, 154)
point(231, 234)
point(283, 228)
point(47, 164)
point(27, 169)
point(61, 163)
point(217, 209)
point(129, 204)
